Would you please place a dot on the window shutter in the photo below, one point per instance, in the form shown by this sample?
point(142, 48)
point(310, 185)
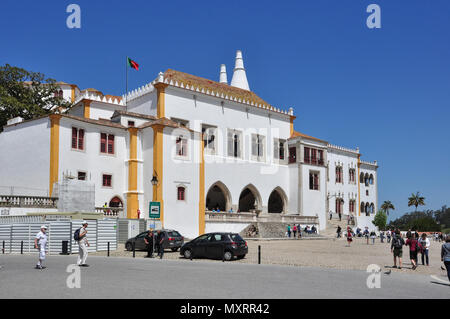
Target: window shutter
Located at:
point(230, 139)
point(111, 144)
point(276, 149)
point(238, 145)
point(316, 181)
point(74, 137)
point(81, 139)
point(103, 142)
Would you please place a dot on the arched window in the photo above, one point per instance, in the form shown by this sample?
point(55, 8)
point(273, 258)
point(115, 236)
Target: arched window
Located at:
point(366, 179)
point(371, 179)
point(181, 193)
point(363, 207)
point(361, 178)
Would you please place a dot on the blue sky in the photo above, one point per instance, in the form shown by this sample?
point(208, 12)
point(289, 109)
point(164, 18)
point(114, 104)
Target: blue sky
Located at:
point(385, 90)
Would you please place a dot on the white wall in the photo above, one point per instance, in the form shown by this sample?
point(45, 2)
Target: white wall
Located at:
point(347, 190)
point(92, 161)
point(24, 157)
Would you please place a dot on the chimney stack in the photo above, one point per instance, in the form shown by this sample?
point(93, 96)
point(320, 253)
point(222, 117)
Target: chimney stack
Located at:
point(223, 74)
point(239, 76)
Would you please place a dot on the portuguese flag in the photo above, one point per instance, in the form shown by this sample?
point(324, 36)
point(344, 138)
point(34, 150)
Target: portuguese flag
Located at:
point(133, 64)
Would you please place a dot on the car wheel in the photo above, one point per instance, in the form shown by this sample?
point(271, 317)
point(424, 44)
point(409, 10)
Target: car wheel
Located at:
point(228, 255)
point(187, 254)
point(129, 246)
point(174, 249)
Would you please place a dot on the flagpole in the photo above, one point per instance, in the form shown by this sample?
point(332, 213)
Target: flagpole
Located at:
point(126, 87)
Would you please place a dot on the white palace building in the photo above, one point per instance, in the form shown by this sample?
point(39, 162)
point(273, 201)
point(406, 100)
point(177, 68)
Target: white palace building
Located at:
point(196, 146)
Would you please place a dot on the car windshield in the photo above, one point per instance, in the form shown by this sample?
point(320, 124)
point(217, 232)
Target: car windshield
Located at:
point(236, 237)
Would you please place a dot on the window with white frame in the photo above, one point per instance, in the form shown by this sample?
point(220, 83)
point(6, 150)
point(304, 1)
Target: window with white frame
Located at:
point(209, 139)
point(258, 146)
point(181, 146)
point(234, 143)
point(314, 180)
point(279, 151)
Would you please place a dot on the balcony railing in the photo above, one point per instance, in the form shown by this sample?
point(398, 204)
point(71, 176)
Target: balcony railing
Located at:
point(313, 161)
point(28, 201)
point(258, 217)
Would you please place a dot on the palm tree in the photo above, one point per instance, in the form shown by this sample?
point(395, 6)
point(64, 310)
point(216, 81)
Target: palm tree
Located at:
point(387, 205)
point(416, 200)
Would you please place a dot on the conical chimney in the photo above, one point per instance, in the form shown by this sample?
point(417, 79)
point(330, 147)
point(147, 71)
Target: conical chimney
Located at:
point(223, 74)
point(239, 77)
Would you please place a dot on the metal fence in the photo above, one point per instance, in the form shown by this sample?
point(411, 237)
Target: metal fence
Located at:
point(19, 237)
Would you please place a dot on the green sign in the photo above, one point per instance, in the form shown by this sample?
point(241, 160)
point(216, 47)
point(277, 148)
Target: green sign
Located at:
point(155, 210)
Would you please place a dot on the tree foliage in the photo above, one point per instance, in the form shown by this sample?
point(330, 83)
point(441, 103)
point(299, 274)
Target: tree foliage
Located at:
point(27, 94)
point(380, 220)
point(420, 221)
point(416, 200)
point(386, 206)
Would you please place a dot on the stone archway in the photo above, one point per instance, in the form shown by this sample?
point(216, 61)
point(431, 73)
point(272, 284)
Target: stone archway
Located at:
point(115, 202)
point(277, 202)
point(249, 199)
point(218, 198)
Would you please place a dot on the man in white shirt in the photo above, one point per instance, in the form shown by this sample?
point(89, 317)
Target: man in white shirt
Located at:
point(82, 245)
point(425, 242)
point(40, 242)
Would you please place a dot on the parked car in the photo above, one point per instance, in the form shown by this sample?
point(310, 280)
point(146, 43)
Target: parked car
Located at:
point(215, 246)
point(173, 240)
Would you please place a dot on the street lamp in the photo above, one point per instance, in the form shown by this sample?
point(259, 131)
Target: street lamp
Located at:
point(154, 180)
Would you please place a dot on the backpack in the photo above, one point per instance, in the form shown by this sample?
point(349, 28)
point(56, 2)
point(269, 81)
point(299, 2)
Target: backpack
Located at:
point(76, 235)
point(398, 242)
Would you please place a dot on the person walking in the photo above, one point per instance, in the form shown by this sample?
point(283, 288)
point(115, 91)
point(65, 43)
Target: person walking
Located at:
point(388, 235)
point(338, 231)
point(288, 228)
point(331, 214)
point(40, 241)
point(160, 238)
point(408, 234)
point(340, 216)
point(349, 236)
point(366, 234)
point(149, 242)
point(397, 248)
point(294, 230)
point(425, 242)
point(82, 244)
point(382, 236)
point(414, 247)
point(445, 255)
point(373, 236)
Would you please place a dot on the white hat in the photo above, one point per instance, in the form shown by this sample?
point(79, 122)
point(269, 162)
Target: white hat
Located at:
point(84, 222)
point(43, 226)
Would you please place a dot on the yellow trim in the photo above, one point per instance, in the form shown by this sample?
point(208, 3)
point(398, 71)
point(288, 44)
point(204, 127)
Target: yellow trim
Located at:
point(292, 126)
point(132, 196)
point(161, 104)
point(158, 167)
point(87, 109)
point(54, 150)
point(359, 187)
point(201, 204)
point(73, 92)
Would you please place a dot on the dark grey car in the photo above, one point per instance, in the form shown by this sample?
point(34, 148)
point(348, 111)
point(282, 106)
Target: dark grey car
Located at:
point(173, 240)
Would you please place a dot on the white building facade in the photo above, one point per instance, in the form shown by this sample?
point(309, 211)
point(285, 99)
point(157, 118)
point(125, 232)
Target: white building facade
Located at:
point(194, 145)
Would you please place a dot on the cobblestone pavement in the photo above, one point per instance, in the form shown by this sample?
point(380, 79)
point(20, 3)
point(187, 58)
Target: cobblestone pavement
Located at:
point(318, 253)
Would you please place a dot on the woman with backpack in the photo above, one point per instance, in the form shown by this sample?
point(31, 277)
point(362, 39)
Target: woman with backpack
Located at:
point(414, 248)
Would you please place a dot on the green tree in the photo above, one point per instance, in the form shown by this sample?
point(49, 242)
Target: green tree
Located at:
point(387, 205)
point(416, 200)
point(380, 220)
point(27, 94)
